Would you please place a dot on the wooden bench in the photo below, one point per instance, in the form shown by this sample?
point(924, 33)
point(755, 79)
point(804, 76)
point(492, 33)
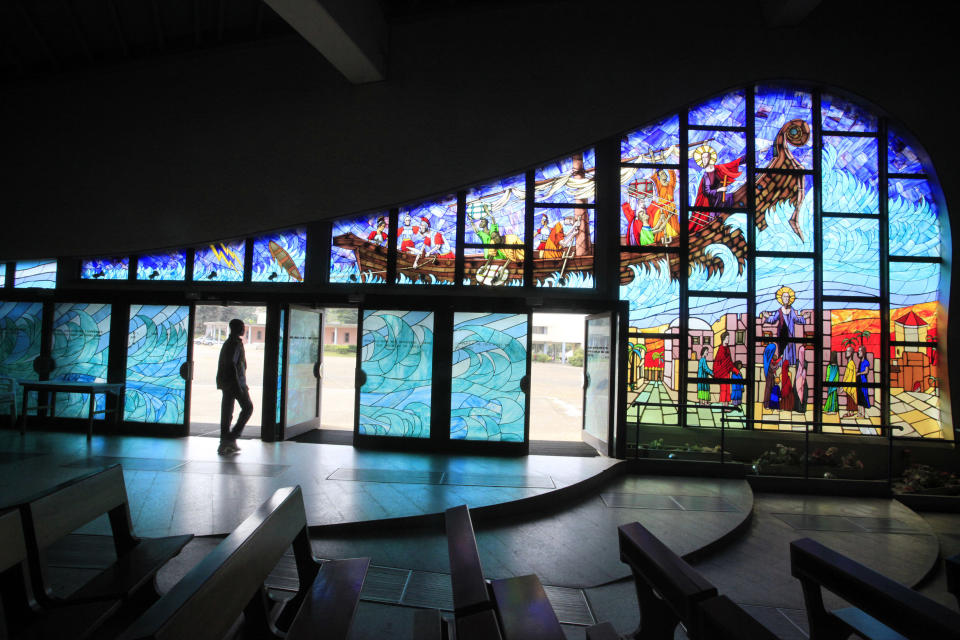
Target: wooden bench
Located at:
point(881, 606)
point(229, 581)
point(720, 618)
point(510, 608)
point(952, 567)
point(19, 616)
point(59, 511)
point(668, 589)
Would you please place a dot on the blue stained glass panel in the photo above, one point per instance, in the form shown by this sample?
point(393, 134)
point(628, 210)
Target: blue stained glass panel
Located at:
point(779, 279)
point(901, 157)
point(156, 349)
point(397, 359)
point(35, 274)
point(779, 198)
point(3, 274)
point(653, 295)
point(849, 171)
point(105, 269)
point(567, 181)
point(728, 110)
point(81, 347)
point(220, 262)
point(714, 315)
point(717, 170)
point(657, 143)
point(913, 283)
point(787, 113)
point(913, 218)
point(563, 255)
point(489, 364)
point(358, 249)
point(648, 207)
point(163, 266)
point(280, 256)
point(722, 264)
point(20, 331)
point(427, 242)
point(851, 257)
point(840, 114)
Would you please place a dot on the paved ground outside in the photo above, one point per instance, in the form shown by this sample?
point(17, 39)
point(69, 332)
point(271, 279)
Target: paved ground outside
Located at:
point(556, 402)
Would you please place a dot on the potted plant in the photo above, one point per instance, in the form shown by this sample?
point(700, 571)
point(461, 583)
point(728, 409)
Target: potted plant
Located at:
point(779, 461)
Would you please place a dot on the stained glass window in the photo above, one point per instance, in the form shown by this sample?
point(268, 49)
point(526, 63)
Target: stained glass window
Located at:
point(3, 274)
point(280, 256)
point(358, 249)
point(20, 331)
point(427, 242)
point(783, 220)
point(397, 362)
point(567, 181)
point(840, 114)
point(783, 122)
point(656, 144)
point(163, 266)
point(728, 110)
point(35, 274)
point(850, 175)
point(220, 262)
point(913, 219)
point(494, 233)
point(104, 269)
point(81, 347)
point(489, 364)
point(156, 349)
point(901, 157)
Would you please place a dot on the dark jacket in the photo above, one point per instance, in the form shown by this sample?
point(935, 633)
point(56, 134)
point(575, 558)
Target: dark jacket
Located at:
point(232, 366)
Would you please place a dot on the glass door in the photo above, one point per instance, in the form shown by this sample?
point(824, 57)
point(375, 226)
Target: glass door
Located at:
point(598, 377)
point(489, 388)
point(157, 355)
point(302, 369)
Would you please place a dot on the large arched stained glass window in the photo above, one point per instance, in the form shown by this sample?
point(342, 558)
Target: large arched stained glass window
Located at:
point(780, 253)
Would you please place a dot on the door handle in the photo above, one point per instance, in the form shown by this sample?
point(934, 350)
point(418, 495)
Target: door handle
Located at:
point(318, 370)
point(586, 380)
point(525, 384)
point(361, 377)
point(186, 370)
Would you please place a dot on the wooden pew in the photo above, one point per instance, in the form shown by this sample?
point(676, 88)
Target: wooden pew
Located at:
point(879, 603)
point(668, 589)
point(472, 602)
point(229, 581)
point(19, 617)
point(57, 512)
point(512, 608)
point(952, 567)
point(720, 618)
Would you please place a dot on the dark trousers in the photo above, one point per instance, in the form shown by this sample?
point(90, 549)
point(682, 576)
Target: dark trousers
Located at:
point(226, 413)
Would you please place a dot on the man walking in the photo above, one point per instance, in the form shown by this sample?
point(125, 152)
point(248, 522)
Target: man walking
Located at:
point(232, 381)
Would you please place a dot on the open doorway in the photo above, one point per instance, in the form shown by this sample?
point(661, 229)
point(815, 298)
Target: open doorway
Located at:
point(556, 385)
point(338, 382)
point(210, 329)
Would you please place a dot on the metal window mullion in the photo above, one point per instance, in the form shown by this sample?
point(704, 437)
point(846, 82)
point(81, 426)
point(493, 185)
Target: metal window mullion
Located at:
point(816, 120)
point(751, 340)
point(529, 204)
point(461, 235)
point(884, 266)
point(683, 269)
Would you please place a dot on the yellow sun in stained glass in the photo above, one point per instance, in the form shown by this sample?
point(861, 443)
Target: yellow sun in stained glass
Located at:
point(705, 155)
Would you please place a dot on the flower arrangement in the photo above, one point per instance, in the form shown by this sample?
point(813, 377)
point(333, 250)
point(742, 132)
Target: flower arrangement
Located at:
point(831, 457)
point(918, 477)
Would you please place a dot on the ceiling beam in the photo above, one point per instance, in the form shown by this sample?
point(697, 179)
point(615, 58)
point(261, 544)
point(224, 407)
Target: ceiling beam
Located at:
point(351, 34)
point(787, 13)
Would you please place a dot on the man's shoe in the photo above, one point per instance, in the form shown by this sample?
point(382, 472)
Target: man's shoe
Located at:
point(233, 447)
point(225, 450)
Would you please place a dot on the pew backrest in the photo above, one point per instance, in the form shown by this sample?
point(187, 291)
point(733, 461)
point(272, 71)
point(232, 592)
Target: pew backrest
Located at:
point(470, 591)
point(676, 582)
point(720, 618)
point(895, 605)
point(208, 600)
point(12, 548)
point(952, 567)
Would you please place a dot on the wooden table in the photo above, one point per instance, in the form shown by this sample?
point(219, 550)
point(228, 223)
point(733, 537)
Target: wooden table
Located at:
point(51, 387)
